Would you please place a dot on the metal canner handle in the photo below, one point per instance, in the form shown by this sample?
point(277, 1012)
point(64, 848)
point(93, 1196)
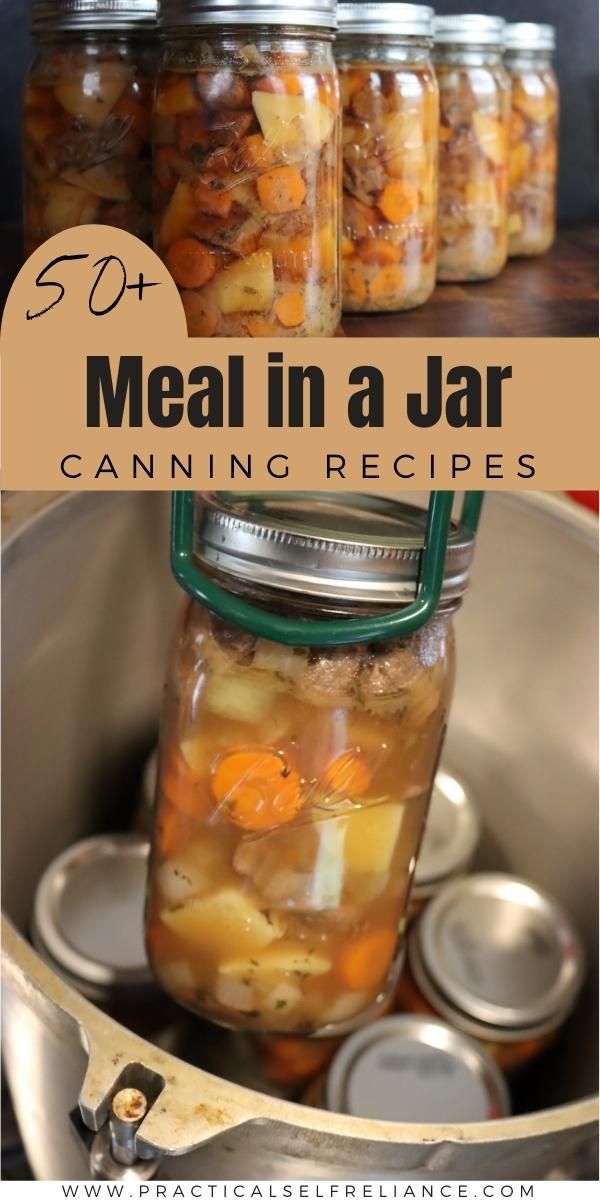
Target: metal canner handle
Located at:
point(290, 631)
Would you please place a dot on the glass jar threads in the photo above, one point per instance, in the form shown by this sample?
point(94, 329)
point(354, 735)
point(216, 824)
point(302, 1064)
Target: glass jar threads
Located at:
point(246, 167)
point(390, 155)
point(87, 117)
point(533, 161)
point(294, 779)
point(498, 959)
point(475, 111)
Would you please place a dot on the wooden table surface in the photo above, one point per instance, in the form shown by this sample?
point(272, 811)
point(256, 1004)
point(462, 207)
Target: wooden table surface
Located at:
point(553, 296)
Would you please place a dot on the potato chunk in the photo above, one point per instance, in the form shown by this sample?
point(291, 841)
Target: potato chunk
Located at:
point(66, 206)
point(223, 924)
point(192, 873)
point(292, 121)
point(491, 136)
point(91, 96)
point(241, 695)
point(247, 286)
point(266, 968)
point(371, 837)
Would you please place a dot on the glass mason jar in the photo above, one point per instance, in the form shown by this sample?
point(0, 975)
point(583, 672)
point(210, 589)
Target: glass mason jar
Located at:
point(475, 111)
point(294, 782)
point(390, 155)
point(499, 960)
point(246, 167)
point(533, 162)
point(87, 117)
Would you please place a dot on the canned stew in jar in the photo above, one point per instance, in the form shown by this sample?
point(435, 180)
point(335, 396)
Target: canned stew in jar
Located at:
point(498, 959)
point(475, 111)
point(246, 166)
point(412, 1069)
point(390, 155)
point(533, 162)
point(87, 117)
point(294, 781)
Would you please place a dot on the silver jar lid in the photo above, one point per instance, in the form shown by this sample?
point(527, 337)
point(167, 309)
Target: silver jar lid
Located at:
point(88, 915)
point(495, 950)
point(451, 836)
point(50, 16)
point(469, 29)
point(415, 1069)
point(321, 14)
point(345, 547)
point(403, 20)
point(525, 35)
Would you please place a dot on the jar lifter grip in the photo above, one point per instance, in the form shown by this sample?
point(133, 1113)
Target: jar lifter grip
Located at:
point(290, 631)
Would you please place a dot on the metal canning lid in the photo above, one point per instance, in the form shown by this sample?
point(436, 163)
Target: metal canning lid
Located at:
point(415, 1069)
point(343, 546)
point(525, 35)
point(319, 14)
point(469, 29)
point(50, 16)
point(450, 838)
point(88, 914)
point(404, 20)
point(500, 951)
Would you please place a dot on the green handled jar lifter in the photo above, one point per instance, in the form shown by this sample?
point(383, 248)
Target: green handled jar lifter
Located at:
point(431, 551)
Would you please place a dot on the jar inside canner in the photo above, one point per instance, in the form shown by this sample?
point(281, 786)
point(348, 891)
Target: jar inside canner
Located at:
point(294, 779)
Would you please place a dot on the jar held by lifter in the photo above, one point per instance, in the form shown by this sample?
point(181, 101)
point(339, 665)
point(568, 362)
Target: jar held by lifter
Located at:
point(87, 117)
point(390, 155)
point(246, 165)
point(475, 109)
point(307, 700)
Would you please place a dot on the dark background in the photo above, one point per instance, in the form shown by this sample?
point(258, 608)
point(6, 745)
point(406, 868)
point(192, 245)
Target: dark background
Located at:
point(577, 64)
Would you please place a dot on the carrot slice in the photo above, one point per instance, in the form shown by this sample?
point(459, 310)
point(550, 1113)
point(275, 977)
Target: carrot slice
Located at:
point(281, 190)
point(292, 1059)
point(191, 263)
point(192, 131)
point(253, 152)
point(348, 774)
point(185, 791)
point(398, 201)
point(257, 789)
point(378, 250)
point(329, 93)
point(351, 82)
point(212, 199)
point(259, 327)
point(290, 309)
point(387, 282)
point(42, 99)
point(135, 116)
point(363, 963)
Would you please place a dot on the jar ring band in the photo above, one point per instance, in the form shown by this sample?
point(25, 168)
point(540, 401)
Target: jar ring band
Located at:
point(290, 631)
